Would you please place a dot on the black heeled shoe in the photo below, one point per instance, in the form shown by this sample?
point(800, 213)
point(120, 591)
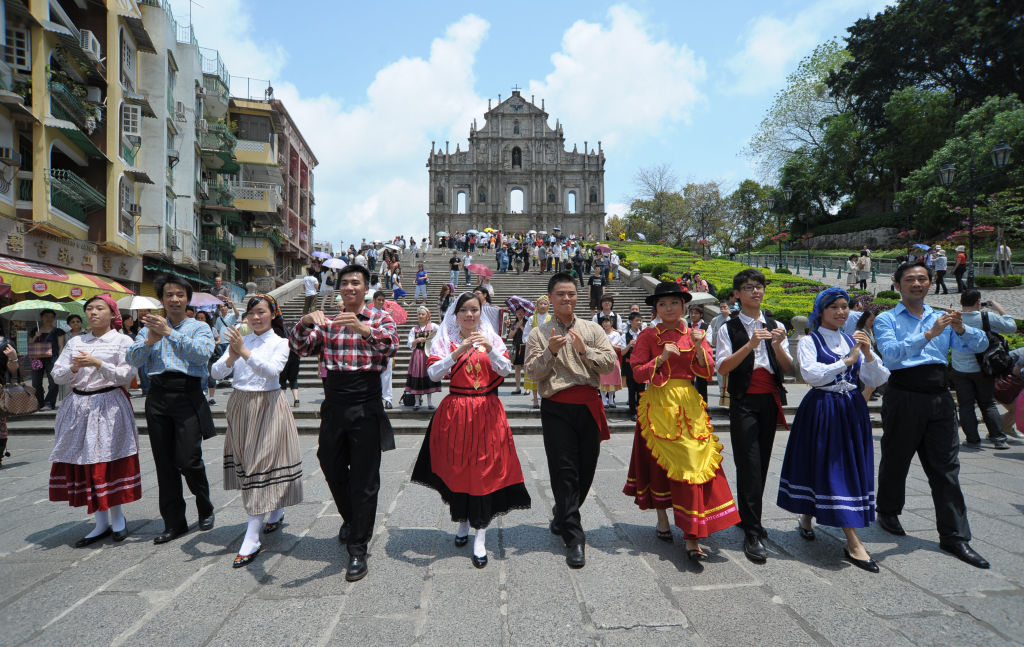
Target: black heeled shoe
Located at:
point(479, 562)
point(244, 560)
point(461, 541)
point(868, 565)
point(121, 535)
point(85, 541)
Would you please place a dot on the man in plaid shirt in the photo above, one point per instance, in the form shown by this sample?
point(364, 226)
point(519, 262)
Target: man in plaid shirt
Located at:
point(354, 429)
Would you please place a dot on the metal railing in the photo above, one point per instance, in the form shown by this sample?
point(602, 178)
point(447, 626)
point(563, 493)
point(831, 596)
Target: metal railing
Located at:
point(73, 195)
point(65, 105)
point(213, 65)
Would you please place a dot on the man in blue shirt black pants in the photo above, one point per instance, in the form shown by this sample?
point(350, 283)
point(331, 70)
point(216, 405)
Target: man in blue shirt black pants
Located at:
point(918, 415)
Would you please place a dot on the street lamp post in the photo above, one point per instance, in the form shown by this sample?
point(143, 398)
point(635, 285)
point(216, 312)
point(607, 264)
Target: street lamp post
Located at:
point(947, 173)
point(771, 206)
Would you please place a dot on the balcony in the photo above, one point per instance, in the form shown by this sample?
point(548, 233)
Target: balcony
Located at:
point(248, 151)
point(67, 105)
point(218, 243)
point(215, 105)
point(73, 195)
point(257, 196)
point(256, 248)
point(221, 194)
point(218, 145)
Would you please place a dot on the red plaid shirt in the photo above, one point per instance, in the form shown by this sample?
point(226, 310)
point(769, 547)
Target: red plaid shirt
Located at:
point(342, 349)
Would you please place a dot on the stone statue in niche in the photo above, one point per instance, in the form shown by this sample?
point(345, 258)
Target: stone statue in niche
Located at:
point(517, 157)
point(551, 194)
point(483, 194)
point(550, 153)
point(440, 195)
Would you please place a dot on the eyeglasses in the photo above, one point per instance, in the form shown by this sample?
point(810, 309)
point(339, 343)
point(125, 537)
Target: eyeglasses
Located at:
point(752, 288)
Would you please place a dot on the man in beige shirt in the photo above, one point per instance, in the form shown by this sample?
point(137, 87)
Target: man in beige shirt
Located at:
point(566, 356)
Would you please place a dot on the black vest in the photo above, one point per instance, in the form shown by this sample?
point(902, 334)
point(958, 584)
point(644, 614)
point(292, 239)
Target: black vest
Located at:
point(739, 378)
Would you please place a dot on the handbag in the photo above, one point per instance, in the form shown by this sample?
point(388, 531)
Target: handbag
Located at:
point(40, 350)
point(1007, 388)
point(18, 399)
point(408, 399)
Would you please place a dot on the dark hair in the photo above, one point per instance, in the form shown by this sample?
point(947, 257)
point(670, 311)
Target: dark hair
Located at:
point(608, 298)
point(173, 279)
point(310, 271)
point(970, 298)
point(46, 311)
point(853, 257)
point(484, 292)
point(70, 317)
point(903, 267)
point(748, 275)
point(379, 293)
point(355, 267)
point(206, 317)
point(276, 323)
point(635, 315)
point(560, 277)
point(862, 322)
point(190, 309)
point(863, 252)
point(603, 318)
point(463, 298)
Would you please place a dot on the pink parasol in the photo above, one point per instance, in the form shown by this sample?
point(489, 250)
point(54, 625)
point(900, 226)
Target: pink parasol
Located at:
point(396, 311)
point(602, 248)
point(480, 268)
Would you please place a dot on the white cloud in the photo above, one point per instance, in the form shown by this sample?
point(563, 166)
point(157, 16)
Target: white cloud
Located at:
point(770, 46)
point(615, 83)
point(616, 209)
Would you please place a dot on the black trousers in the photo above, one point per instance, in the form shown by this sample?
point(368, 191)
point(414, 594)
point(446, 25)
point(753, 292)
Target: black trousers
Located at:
point(752, 422)
point(971, 388)
point(940, 282)
point(922, 424)
point(633, 389)
point(701, 385)
point(50, 397)
point(176, 439)
point(958, 274)
point(349, 455)
point(572, 442)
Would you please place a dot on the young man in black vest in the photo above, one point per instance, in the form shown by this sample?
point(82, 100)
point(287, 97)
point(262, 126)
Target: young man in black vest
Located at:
point(752, 350)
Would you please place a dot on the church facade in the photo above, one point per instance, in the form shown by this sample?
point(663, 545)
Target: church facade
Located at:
point(516, 176)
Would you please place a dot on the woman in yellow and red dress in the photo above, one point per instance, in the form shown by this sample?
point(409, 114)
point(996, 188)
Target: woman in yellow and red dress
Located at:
point(468, 455)
point(677, 459)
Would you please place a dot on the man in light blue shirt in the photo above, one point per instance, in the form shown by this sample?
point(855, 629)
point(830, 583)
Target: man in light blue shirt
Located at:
point(918, 416)
point(973, 386)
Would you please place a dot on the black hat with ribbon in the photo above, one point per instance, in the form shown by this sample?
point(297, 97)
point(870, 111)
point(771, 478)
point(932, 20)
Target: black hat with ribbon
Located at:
point(668, 289)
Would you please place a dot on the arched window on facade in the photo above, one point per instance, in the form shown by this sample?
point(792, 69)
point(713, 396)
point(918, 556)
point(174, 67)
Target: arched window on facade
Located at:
point(482, 193)
point(593, 195)
point(460, 202)
point(551, 195)
point(439, 199)
point(515, 127)
point(571, 202)
point(517, 158)
point(515, 202)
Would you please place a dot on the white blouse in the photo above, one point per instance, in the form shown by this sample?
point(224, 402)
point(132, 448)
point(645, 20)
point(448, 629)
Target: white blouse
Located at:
point(110, 348)
point(430, 330)
point(821, 376)
point(268, 354)
point(501, 364)
point(723, 345)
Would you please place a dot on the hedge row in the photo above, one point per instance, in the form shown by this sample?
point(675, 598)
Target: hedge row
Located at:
point(997, 281)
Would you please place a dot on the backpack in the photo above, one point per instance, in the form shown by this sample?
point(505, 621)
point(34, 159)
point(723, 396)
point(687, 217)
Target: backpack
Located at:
point(995, 361)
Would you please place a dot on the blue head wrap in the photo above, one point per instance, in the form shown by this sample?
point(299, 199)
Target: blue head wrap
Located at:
point(823, 300)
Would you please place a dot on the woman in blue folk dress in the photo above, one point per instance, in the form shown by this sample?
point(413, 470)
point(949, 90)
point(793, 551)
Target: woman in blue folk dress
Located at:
point(829, 469)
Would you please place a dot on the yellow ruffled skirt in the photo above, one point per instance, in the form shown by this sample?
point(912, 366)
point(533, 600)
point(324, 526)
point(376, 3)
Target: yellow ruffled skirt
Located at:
point(674, 423)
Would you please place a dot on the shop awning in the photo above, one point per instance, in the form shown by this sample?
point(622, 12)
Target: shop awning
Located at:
point(195, 278)
point(29, 277)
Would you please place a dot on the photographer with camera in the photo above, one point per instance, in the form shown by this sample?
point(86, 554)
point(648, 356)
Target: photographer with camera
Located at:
point(974, 375)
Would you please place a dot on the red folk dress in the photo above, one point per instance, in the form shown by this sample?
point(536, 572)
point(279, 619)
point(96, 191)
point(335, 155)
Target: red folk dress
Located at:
point(468, 455)
point(677, 459)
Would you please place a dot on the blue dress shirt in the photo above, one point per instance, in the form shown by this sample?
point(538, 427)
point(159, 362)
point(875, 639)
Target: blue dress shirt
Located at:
point(186, 350)
point(900, 338)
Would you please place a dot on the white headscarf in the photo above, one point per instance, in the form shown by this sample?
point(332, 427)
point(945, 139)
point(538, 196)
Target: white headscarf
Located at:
point(450, 331)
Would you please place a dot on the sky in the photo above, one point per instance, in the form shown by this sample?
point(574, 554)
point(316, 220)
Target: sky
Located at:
point(371, 85)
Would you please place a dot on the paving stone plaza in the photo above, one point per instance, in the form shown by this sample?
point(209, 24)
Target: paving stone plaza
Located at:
point(422, 590)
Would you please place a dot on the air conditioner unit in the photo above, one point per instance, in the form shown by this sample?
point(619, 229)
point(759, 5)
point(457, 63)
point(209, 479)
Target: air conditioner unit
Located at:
point(207, 218)
point(91, 45)
point(135, 210)
point(9, 157)
point(93, 94)
point(179, 111)
point(203, 126)
point(204, 256)
point(173, 158)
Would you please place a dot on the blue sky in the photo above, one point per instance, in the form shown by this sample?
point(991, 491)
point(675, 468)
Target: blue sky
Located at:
point(372, 84)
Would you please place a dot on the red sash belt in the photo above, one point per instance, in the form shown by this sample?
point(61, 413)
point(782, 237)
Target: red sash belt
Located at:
point(764, 382)
point(589, 396)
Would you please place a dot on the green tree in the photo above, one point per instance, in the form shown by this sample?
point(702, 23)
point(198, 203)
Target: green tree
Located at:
point(747, 214)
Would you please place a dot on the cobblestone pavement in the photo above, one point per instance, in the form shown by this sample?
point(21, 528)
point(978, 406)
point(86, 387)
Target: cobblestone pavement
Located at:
point(422, 590)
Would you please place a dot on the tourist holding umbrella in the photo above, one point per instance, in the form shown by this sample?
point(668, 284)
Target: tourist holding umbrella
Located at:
point(45, 343)
point(95, 458)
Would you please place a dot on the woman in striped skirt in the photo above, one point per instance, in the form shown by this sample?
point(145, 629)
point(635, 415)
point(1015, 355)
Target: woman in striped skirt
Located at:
point(261, 448)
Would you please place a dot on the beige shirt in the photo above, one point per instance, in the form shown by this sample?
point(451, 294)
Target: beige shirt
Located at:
point(554, 373)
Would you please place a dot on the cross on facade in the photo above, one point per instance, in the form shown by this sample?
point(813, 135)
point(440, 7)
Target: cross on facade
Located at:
point(516, 88)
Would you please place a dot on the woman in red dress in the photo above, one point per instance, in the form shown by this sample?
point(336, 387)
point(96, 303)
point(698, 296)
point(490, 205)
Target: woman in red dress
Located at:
point(677, 458)
point(468, 455)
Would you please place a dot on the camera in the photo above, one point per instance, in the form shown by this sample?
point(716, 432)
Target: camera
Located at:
point(986, 304)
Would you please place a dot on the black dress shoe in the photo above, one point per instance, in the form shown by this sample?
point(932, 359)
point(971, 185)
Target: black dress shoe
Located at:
point(575, 556)
point(344, 533)
point(963, 551)
point(805, 533)
point(754, 549)
point(479, 562)
point(461, 541)
point(868, 564)
point(121, 535)
point(891, 524)
point(243, 560)
point(356, 569)
point(169, 535)
point(206, 523)
point(85, 541)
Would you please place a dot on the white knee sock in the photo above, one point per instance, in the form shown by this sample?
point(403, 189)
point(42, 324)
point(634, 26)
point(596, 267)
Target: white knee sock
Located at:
point(429, 404)
point(252, 535)
point(480, 543)
point(117, 520)
point(463, 529)
point(102, 523)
